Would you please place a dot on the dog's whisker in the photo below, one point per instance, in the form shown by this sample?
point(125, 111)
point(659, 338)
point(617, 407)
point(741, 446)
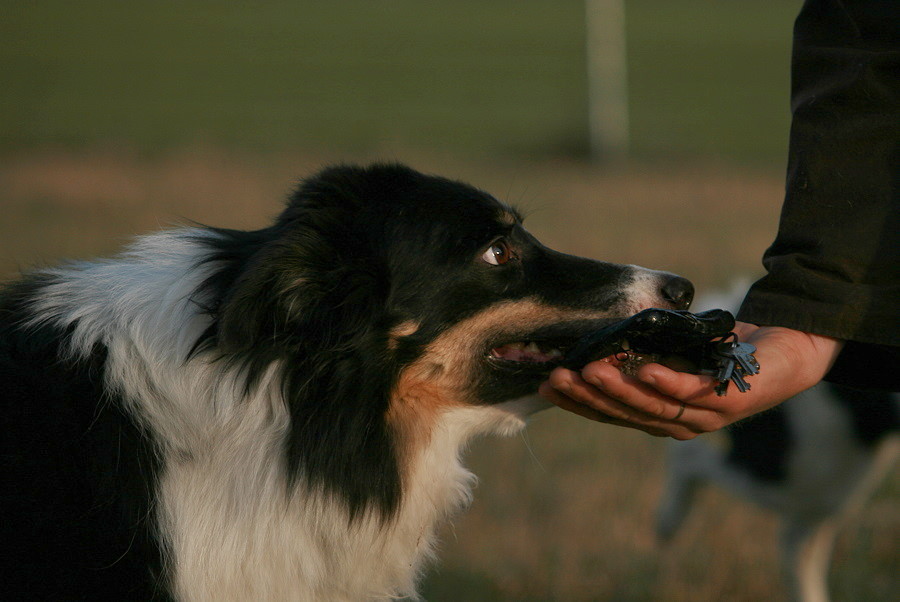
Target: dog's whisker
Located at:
point(534, 458)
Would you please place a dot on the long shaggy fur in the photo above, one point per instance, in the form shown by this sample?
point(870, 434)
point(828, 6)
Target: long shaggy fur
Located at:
point(278, 414)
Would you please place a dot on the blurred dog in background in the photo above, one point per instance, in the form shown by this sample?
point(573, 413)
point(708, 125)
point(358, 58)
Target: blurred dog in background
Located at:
point(814, 460)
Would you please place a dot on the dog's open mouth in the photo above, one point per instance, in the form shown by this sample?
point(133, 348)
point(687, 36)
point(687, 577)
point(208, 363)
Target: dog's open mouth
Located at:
point(545, 356)
point(539, 350)
point(527, 352)
point(542, 350)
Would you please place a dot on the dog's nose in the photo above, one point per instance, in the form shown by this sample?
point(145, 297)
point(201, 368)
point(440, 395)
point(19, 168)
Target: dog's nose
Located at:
point(678, 291)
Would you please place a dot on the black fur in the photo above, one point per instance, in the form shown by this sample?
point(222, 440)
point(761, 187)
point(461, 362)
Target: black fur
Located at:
point(761, 445)
point(873, 413)
point(357, 252)
point(374, 247)
point(79, 474)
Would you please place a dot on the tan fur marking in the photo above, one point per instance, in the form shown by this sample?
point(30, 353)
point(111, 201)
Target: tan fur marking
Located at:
point(457, 349)
point(442, 376)
point(413, 412)
point(403, 329)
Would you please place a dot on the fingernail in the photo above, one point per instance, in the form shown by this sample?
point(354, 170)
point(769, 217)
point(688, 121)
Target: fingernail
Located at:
point(597, 382)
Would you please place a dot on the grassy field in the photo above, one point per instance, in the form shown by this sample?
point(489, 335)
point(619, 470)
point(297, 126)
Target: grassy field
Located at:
point(565, 512)
point(506, 76)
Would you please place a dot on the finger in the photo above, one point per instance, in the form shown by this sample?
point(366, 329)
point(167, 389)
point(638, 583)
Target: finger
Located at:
point(706, 410)
point(643, 400)
point(607, 386)
point(678, 385)
point(567, 403)
point(571, 386)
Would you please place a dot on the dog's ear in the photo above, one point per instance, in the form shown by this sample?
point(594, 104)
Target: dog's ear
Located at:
point(254, 308)
point(316, 281)
point(284, 300)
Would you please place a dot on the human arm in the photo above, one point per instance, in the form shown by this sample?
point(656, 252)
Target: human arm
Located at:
point(834, 268)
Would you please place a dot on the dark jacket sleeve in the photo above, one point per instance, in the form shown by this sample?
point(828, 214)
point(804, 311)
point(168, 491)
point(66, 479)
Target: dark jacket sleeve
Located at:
point(834, 268)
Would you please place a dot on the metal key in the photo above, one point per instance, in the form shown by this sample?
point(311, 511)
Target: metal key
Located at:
point(738, 379)
point(734, 361)
point(722, 388)
point(743, 355)
point(726, 366)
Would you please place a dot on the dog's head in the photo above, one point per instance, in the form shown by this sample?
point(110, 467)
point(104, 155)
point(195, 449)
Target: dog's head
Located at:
point(389, 295)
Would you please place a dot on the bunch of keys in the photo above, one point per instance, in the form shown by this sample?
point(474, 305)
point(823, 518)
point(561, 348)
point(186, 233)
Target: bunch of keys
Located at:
point(733, 361)
point(704, 338)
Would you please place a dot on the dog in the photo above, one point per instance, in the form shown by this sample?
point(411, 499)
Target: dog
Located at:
point(814, 460)
point(279, 414)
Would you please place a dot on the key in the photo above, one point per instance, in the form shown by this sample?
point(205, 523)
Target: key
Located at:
point(738, 379)
point(734, 360)
point(740, 353)
point(722, 388)
point(743, 355)
point(725, 362)
point(726, 366)
point(722, 367)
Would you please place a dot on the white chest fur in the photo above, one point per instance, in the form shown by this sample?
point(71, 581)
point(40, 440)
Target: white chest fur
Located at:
point(237, 534)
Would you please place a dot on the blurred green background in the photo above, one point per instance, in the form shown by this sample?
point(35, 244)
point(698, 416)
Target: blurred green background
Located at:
point(504, 76)
point(121, 117)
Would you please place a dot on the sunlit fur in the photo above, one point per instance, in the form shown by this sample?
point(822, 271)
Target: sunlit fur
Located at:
point(277, 414)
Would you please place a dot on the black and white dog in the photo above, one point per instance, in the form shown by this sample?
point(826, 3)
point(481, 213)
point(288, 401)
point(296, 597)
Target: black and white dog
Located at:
point(814, 460)
point(279, 414)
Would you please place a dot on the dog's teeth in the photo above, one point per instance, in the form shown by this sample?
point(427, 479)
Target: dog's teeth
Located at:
point(526, 352)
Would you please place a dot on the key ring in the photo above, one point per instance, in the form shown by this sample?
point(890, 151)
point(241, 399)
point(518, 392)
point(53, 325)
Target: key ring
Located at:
point(724, 338)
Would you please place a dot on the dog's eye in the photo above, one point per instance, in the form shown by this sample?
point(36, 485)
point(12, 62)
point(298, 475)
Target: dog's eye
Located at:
point(498, 253)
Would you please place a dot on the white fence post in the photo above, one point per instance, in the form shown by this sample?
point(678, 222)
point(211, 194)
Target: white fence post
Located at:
point(607, 75)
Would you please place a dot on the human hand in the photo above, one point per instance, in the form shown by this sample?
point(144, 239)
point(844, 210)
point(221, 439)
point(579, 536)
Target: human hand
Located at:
point(666, 403)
